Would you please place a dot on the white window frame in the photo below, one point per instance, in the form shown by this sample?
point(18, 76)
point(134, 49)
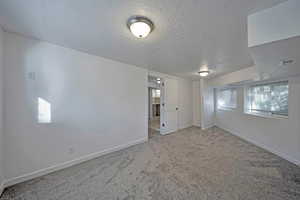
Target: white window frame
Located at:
point(227, 107)
point(263, 113)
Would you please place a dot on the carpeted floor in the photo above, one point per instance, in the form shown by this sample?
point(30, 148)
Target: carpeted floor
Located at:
point(189, 164)
point(155, 123)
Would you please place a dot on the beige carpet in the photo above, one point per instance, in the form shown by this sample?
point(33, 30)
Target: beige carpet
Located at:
point(155, 123)
point(189, 164)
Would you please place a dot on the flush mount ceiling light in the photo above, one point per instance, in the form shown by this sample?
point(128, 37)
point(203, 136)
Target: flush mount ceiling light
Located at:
point(203, 73)
point(158, 80)
point(140, 26)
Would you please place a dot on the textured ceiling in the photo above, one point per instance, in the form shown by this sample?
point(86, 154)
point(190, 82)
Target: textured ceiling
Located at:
point(188, 34)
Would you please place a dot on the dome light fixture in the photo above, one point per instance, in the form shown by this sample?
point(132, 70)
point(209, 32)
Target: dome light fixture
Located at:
point(203, 73)
point(140, 26)
point(158, 80)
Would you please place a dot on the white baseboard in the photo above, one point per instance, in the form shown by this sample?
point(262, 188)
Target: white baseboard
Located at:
point(186, 126)
point(166, 133)
point(67, 164)
point(207, 127)
point(259, 144)
point(180, 128)
point(197, 125)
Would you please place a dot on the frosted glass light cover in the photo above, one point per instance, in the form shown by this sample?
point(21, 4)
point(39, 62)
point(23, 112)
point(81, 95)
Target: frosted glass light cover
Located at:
point(140, 29)
point(204, 73)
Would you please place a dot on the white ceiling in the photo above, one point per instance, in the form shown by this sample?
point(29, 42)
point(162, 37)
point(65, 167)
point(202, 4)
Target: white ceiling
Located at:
point(187, 35)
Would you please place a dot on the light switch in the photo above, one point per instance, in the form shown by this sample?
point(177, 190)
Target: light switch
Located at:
point(31, 76)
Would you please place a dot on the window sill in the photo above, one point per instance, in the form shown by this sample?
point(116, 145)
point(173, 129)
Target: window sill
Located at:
point(226, 109)
point(269, 116)
point(44, 123)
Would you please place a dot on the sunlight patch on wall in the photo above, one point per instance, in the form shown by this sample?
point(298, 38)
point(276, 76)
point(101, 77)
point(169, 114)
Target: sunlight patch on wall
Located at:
point(44, 111)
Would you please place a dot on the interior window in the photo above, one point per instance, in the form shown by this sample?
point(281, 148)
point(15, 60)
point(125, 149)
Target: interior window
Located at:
point(269, 99)
point(227, 98)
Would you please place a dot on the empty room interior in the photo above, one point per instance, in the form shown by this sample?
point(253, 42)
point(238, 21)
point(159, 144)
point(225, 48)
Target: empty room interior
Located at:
point(149, 100)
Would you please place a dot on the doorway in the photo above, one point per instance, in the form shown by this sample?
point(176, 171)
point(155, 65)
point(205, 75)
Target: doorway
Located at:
point(154, 105)
point(154, 119)
point(162, 105)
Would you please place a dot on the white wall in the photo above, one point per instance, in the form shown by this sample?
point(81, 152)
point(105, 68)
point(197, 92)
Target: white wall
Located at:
point(207, 107)
point(273, 24)
point(185, 101)
point(97, 105)
point(237, 77)
point(1, 113)
point(280, 136)
point(196, 104)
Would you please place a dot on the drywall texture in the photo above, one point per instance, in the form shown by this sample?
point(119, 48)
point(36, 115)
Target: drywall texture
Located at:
point(278, 135)
point(185, 103)
point(207, 107)
point(96, 104)
point(273, 24)
point(234, 78)
point(196, 104)
point(1, 113)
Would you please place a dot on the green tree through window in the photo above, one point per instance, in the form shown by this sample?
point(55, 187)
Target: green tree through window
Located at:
point(269, 98)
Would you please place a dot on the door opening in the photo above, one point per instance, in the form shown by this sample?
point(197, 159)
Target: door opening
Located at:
point(162, 105)
point(154, 105)
point(155, 109)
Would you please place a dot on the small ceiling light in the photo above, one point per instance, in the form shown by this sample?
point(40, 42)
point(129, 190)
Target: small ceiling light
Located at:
point(203, 73)
point(140, 26)
point(158, 80)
